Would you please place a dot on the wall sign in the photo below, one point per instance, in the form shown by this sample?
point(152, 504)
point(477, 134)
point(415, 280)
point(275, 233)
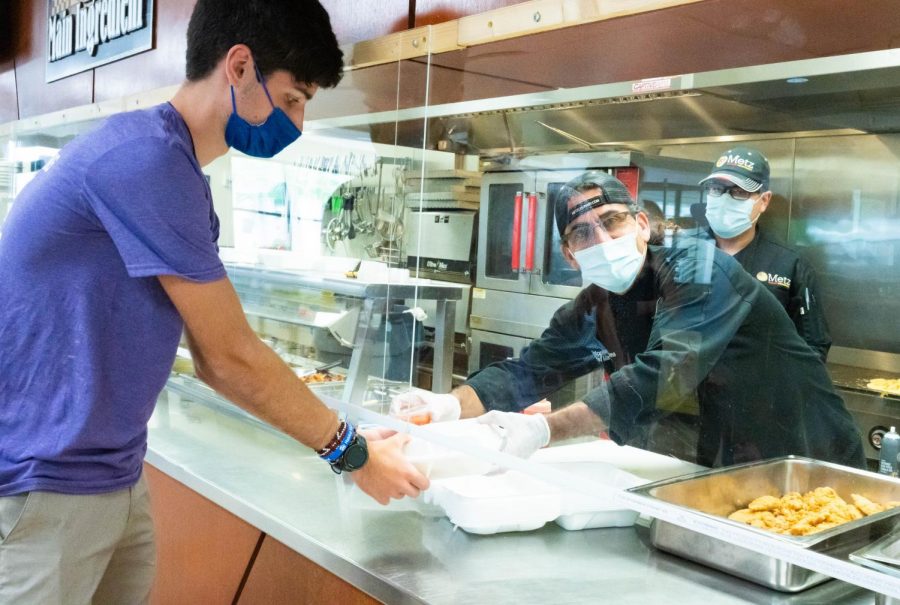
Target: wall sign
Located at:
point(83, 34)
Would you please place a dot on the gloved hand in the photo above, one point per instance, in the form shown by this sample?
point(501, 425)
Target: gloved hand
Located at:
point(413, 404)
point(521, 434)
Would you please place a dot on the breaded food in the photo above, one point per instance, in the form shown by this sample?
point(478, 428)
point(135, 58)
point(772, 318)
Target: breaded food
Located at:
point(321, 377)
point(765, 503)
point(887, 385)
point(799, 515)
point(865, 505)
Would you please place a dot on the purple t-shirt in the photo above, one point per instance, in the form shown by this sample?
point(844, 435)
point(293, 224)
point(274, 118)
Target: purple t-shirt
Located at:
point(87, 333)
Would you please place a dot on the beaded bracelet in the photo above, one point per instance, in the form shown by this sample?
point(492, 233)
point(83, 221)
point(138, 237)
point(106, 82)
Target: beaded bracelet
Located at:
point(335, 441)
point(344, 436)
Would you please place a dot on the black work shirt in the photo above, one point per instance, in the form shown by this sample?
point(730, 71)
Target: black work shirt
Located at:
point(791, 280)
point(716, 336)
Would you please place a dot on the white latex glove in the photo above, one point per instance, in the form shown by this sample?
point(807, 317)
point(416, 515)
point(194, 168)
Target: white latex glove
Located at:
point(521, 434)
point(441, 408)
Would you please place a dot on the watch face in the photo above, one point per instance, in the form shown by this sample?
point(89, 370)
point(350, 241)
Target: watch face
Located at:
point(356, 455)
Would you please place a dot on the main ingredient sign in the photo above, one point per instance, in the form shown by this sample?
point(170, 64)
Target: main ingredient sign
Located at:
point(83, 34)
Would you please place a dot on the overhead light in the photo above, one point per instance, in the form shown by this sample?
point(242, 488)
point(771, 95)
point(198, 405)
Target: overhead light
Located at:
point(798, 80)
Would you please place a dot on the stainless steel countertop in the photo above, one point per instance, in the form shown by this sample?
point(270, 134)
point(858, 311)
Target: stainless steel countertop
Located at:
point(401, 556)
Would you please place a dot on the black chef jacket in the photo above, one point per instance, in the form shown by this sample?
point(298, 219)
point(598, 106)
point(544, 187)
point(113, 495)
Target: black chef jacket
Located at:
point(714, 335)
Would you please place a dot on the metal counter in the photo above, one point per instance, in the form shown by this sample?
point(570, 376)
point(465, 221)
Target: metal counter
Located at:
point(280, 487)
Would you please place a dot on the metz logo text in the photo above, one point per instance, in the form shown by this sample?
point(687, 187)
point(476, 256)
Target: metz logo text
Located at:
point(773, 279)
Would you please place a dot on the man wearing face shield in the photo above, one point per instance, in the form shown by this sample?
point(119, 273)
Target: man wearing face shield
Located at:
point(670, 325)
point(737, 194)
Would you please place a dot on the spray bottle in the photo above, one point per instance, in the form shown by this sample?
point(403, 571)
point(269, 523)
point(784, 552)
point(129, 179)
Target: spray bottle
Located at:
point(890, 452)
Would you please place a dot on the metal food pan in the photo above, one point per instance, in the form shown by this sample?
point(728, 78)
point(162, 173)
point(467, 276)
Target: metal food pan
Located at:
point(717, 493)
point(883, 555)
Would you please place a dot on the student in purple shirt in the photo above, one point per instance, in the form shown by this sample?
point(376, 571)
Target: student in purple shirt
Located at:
point(107, 256)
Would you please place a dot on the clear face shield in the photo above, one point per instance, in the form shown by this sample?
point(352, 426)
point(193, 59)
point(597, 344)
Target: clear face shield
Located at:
point(588, 233)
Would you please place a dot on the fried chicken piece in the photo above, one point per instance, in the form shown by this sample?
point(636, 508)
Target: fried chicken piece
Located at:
point(792, 501)
point(800, 515)
point(743, 515)
point(865, 505)
point(764, 503)
point(841, 512)
point(821, 496)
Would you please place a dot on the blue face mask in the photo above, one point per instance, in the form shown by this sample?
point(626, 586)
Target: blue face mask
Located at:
point(612, 265)
point(264, 140)
point(729, 217)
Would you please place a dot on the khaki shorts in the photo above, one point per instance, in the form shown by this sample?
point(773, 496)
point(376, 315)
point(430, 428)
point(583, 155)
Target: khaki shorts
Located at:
point(63, 549)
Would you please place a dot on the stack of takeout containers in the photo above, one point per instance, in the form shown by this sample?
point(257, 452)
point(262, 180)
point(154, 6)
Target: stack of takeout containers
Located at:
point(480, 497)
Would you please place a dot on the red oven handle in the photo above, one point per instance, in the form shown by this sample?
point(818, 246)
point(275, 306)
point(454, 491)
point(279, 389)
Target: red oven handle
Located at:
point(529, 236)
point(517, 232)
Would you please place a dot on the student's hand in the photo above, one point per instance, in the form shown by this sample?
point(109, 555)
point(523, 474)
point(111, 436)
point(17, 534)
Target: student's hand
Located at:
point(422, 407)
point(388, 474)
point(521, 434)
point(375, 433)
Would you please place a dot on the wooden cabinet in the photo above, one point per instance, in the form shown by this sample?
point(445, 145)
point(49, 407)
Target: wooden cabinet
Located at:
point(205, 554)
point(280, 575)
point(202, 549)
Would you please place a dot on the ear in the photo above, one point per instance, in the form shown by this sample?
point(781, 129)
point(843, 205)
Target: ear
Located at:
point(643, 223)
point(239, 66)
point(764, 200)
point(570, 258)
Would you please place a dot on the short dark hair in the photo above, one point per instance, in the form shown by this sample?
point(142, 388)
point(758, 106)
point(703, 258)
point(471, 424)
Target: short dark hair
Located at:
point(290, 35)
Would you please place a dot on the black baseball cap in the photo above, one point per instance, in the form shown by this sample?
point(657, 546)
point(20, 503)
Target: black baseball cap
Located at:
point(745, 167)
point(612, 191)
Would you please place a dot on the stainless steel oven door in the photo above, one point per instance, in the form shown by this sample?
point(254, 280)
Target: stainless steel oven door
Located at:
point(553, 275)
point(489, 347)
point(502, 229)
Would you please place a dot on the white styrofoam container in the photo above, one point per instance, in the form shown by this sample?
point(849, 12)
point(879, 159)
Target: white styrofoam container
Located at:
point(434, 461)
point(642, 463)
point(482, 499)
point(438, 462)
point(582, 511)
point(490, 504)
point(513, 501)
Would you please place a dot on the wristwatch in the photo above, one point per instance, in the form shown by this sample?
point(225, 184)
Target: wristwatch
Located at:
point(354, 457)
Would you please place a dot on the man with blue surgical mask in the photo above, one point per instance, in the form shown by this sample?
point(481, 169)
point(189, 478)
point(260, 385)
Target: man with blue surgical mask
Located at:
point(673, 328)
point(109, 255)
point(737, 194)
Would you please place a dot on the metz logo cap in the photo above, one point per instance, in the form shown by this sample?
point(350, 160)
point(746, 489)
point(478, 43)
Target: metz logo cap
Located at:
point(745, 167)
